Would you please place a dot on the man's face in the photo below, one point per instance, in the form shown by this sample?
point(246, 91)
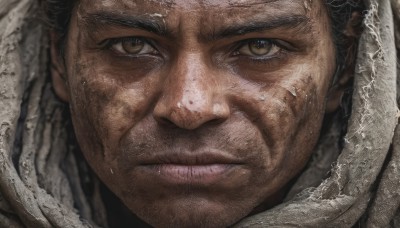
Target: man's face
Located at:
point(196, 112)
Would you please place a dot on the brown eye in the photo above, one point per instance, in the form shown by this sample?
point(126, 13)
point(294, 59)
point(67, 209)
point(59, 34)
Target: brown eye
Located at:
point(132, 46)
point(259, 47)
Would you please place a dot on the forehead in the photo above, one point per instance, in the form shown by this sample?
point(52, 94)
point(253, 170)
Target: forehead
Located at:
point(218, 9)
point(184, 17)
point(192, 4)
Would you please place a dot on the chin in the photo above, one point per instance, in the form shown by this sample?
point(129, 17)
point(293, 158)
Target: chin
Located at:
point(191, 214)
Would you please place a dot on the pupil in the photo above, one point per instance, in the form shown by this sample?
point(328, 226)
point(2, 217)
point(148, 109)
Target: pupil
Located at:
point(260, 47)
point(133, 46)
point(260, 44)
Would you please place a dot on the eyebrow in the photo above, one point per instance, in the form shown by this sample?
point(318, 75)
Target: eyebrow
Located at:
point(300, 22)
point(99, 19)
point(157, 26)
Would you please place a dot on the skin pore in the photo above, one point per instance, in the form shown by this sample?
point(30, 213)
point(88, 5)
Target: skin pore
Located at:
point(194, 113)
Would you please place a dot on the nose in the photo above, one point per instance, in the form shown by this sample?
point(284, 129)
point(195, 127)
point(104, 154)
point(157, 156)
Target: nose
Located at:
point(192, 95)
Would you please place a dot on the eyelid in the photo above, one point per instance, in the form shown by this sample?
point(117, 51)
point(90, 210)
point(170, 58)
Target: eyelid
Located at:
point(108, 43)
point(284, 46)
point(279, 43)
point(111, 41)
point(246, 41)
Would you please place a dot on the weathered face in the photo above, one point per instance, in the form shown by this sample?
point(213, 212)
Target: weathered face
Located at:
point(196, 112)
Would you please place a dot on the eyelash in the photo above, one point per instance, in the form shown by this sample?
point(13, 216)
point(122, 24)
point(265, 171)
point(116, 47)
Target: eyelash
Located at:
point(109, 43)
point(283, 46)
point(284, 49)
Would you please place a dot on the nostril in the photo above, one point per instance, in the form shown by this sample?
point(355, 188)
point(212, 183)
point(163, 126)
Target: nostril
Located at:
point(165, 122)
point(215, 121)
point(189, 113)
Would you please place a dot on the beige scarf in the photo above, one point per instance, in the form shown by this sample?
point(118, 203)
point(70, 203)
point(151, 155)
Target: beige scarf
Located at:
point(40, 183)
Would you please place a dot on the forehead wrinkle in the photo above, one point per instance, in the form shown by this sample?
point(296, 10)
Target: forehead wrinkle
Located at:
point(245, 3)
point(211, 3)
point(126, 4)
point(277, 14)
point(244, 9)
point(138, 7)
point(264, 10)
point(95, 20)
point(277, 4)
point(169, 5)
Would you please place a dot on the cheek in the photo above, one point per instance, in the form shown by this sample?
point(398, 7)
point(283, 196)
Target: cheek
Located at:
point(305, 115)
point(309, 119)
point(288, 114)
point(103, 110)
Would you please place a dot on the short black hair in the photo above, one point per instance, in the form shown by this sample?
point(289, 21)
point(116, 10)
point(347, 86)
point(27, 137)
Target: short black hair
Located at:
point(57, 14)
point(340, 12)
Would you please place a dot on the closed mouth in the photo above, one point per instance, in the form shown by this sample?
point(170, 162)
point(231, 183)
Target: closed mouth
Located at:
point(190, 168)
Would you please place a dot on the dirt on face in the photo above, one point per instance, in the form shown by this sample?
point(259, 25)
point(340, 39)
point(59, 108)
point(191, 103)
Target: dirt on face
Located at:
point(44, 183)
point(169, 112)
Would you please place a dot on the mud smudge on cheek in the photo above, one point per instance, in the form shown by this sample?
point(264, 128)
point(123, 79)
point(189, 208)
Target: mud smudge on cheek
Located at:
point(87, 105)
point(309, 98)
point(292, 90)
point(86, 101)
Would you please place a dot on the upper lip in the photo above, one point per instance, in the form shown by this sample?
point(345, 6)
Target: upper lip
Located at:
point(191, 158)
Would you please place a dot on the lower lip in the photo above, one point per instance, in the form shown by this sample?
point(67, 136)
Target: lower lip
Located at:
point(190, 174)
